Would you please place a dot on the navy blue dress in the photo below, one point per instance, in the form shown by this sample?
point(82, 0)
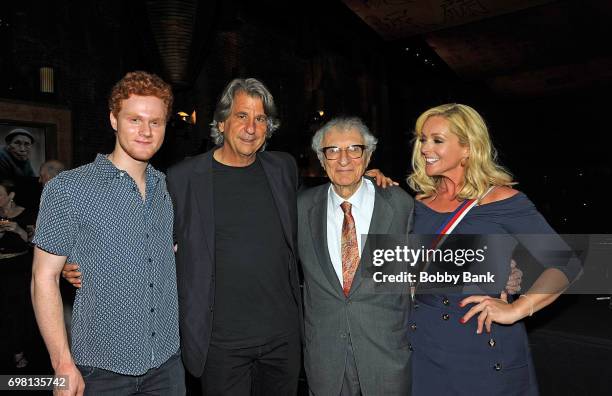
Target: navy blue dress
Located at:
point(449, 358)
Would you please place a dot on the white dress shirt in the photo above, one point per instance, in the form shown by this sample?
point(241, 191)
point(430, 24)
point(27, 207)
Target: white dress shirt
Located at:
point(362, 207)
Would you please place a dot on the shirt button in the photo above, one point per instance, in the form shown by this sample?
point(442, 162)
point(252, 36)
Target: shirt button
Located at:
point(410, 347)
point(497, 366)
point(445, 301)
point(445, 316)
point(150, 284)
point(150, 259)
point(342, 335)
point(152, 309)
point(413, 327)
point(153, 334)
point(491, 342)
point(147, 235)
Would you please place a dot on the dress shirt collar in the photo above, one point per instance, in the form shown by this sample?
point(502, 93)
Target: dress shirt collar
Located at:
point(356, 200)
point(108, 170)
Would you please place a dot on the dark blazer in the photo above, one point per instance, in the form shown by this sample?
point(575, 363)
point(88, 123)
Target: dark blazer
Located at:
point(373, 317)
point(191, 187)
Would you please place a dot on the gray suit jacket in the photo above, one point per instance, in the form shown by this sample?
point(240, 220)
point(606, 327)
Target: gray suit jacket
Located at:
point(375, 321)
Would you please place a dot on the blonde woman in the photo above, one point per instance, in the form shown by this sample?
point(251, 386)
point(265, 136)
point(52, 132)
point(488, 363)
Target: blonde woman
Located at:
point(474, 344)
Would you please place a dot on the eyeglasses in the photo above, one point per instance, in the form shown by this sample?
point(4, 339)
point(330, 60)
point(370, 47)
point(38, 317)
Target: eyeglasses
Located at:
point(354, 151)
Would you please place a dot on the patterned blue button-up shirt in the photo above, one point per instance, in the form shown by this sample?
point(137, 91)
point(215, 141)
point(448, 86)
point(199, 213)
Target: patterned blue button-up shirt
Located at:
point(125, 316)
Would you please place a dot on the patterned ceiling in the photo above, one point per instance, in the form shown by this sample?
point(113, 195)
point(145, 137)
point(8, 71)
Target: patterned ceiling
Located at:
point(517, 47)
point(394, 19)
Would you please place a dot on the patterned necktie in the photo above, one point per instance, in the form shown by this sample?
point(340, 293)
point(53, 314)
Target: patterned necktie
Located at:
point(349, 248)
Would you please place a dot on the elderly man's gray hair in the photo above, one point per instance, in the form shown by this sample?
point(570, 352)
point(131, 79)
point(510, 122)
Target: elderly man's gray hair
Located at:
point(344, 124)
point(253, 88)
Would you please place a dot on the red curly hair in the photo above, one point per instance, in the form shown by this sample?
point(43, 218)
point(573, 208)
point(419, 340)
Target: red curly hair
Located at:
point(143, 84)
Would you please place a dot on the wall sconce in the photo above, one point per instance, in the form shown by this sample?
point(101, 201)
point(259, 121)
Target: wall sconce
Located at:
point(190, 119)
point(46, 80)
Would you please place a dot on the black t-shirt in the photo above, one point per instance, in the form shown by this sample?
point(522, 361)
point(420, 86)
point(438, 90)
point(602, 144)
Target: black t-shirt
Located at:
point(253, 299)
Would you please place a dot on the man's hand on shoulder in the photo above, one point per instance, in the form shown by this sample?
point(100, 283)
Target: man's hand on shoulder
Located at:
point(71, 273)
point(513, 286)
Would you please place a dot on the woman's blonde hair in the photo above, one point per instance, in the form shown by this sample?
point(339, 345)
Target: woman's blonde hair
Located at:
point(481, 169)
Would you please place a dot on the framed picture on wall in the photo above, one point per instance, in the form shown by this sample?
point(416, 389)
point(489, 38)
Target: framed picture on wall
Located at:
point(32, 133)
point(22, 149)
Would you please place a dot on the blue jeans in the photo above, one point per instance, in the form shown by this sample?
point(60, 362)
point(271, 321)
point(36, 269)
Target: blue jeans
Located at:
point(165, 380)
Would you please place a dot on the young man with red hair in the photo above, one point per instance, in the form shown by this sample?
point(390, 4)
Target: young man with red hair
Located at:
point(114, 218)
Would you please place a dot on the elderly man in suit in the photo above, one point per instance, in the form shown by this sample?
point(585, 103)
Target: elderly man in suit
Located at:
point(235, 228)
point(355, 337)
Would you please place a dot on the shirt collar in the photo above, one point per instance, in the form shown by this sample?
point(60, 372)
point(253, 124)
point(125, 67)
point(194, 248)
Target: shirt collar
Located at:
point(356, 200)
point(108, 170)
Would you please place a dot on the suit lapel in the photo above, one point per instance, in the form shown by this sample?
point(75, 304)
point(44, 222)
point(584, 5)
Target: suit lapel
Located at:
point(317, 220)
point(382, 217)
point(201, 184)
point(274, 176)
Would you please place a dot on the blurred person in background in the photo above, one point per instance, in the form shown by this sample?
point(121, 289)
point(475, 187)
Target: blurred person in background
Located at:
point(15, 259)
point(49, 170)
